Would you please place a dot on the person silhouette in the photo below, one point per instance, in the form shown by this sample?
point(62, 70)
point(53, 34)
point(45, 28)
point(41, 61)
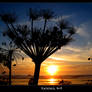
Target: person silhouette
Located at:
point(61, 82)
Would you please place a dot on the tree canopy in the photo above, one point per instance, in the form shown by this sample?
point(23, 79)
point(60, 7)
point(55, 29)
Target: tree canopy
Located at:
point(38, 42)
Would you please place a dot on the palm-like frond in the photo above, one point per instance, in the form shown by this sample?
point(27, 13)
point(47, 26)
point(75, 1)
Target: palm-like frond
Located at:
point(72, 31)
point(63, 24)
point(47, 14)
point(8, 18)
point(33, 14)
point(39, 43)
point(5, 51)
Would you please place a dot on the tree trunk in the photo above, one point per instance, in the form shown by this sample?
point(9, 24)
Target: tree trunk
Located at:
point(10, 74)
point(36, 73)
point(44, 25)
point(10, 62)
point(32, 25)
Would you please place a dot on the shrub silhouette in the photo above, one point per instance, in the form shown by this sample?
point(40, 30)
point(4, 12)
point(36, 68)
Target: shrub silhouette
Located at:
point(38, 43)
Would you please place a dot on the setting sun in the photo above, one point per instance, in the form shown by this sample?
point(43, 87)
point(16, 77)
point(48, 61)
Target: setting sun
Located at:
point(52, 69)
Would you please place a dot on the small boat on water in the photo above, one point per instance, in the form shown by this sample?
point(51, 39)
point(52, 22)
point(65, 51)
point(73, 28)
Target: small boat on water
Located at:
point(89, 82)
point(62, 82)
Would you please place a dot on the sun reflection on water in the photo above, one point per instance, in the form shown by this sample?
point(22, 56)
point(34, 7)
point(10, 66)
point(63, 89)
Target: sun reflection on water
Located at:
point(52, 81)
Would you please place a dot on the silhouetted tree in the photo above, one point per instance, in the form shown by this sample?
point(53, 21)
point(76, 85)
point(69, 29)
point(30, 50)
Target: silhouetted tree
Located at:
point(8, 53)
point(38, 43)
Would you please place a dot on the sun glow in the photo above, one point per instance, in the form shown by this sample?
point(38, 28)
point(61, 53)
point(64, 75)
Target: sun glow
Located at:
point(52, 69)
point(52, 80)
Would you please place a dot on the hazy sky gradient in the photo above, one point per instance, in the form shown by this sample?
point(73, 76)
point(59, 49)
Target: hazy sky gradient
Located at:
point(74, 56)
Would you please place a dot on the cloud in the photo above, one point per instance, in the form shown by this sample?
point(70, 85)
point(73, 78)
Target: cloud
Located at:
point(81, 31)
point(84, 29)
point(75, 53)
point(74, 49)
point(61, 17)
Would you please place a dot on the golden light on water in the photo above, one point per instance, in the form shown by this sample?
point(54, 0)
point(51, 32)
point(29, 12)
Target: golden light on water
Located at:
point(52, 80)
point(52, 69)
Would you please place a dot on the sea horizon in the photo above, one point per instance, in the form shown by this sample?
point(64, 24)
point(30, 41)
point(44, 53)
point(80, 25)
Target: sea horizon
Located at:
point(46, 76)
point(51, 80)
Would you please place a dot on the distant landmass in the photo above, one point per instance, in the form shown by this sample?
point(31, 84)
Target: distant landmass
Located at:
point(46, 77)
point(18, 76)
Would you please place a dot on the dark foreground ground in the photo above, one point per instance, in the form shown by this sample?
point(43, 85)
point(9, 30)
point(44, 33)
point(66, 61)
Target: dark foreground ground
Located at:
point(47, 88)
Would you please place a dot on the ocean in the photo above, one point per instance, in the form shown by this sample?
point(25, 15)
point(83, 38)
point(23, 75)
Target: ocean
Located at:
point(75, 80)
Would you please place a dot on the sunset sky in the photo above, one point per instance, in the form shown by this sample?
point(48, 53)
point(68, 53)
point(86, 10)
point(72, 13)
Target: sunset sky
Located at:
point(69, 60)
